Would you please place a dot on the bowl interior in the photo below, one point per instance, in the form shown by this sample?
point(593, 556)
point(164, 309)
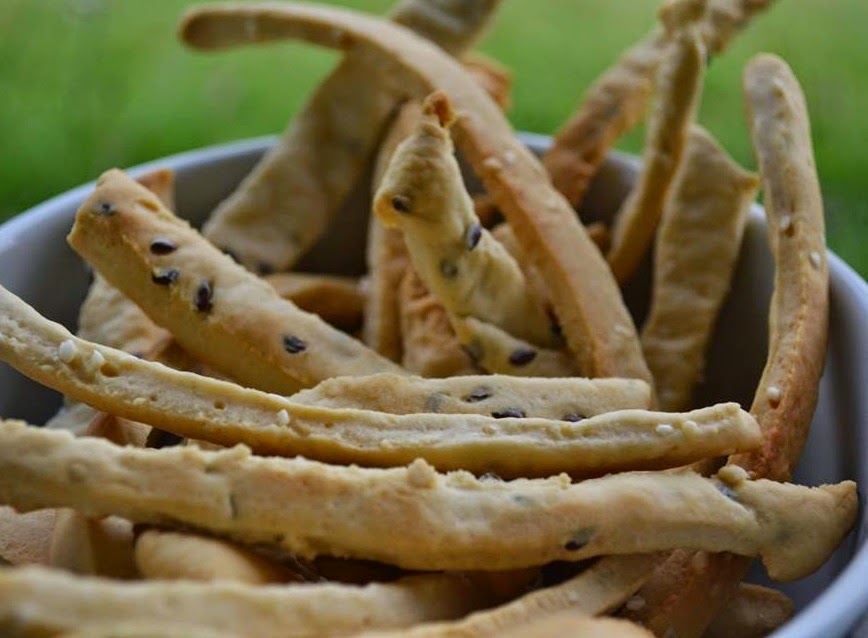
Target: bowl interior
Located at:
point(37, 264)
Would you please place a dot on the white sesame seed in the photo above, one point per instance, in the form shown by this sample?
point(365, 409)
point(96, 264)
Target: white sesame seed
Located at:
point(509, 157)
point(66, 351)
point(96, 359)
point(786, 223)
point(492, 163)
point(635, 603)
point(664, 428)
point(283, 417)
point(773, 393)
point(815, 258)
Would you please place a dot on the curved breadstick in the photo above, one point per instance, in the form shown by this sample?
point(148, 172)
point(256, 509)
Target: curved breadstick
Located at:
point(339, 301)
point(218, 312)
point(288, 200)
point(98, 547)
point(786, 396)
point(167, 555)
point(595, 321)
point(480, 394)
point(752, 612)
point(678, 87)
point(696, 250)
point(430, 347)
point(148, 629)
point(617, 100)
point(423, 194)
point(212, 410)
point(431, 521)
point(33, 598)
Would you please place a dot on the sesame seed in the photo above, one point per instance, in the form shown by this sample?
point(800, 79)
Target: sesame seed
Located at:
point(509, 413)
point(573, 417)
point(815, 258)
point(97, 359)
point(472, 236)
point(204, 299)
point(283, 417)
point(106, 209)
point(165, 277)
point(664, 428)
point(492, 163)
point(66, 352)
point(162, 246)
point(293, 345)
point(522, 356)
point(774, 394)
point(786, 224)
point(477, 394)
point(401, 203)
point(509, 157)
point(635, 603)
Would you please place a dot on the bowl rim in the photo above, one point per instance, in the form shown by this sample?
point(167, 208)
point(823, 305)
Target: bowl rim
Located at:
point(835, 611)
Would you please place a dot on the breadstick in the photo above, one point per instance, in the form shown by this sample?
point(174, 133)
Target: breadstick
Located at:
point(25, 538)
point(696, 250)
point(423, 193)
point(492, 76)
point(167, 555)
point(752, 612)
point(786, 396)
point(594, 319)
point(220, 412)
point(98, 547)
point(617, 100)
point(432, 521)
point(217, 311)
point(535, 397)
point(678, 87)
point(336, 300)
point(32, 599)
point(288, 200)
point(430, 347)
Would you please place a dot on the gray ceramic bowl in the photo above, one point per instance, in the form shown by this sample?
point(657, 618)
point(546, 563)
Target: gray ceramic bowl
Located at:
point(36, 264)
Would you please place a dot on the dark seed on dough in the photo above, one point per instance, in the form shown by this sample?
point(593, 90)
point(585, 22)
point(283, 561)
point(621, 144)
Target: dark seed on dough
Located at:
point(106, 209)
point(509, 413)
point(293, 345)
point(522, 356)
point(165, 277)
point(480, 393)
point(472, 236)
point(162, 247)
point(573, 417)
point(204, 300)
point(401, 203)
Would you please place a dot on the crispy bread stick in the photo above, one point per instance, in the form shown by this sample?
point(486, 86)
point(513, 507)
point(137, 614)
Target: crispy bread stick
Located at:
point(432, 521)
point(287, 202)
point(35, 599)
point(212, 410)
point(592, 314)
point(217, 311)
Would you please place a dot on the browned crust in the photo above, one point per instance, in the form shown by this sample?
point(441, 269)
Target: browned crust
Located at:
point(752, 612)
point(798, 323)
point(492, 76)
point(600, 333)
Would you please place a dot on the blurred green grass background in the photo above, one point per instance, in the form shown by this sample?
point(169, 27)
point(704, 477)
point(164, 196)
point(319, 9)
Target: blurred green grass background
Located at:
point(89, 84)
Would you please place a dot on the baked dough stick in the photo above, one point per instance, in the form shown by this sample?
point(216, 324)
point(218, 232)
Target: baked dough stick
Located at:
point(25, 538)
point(752, 612)
point(696, 250)
point(288, 200)
point(167, 555)
point(35, 601)
point(560, 399)
point(220, 412)
point(339, 301)
point(678, 87)
point(449, 521)
point(423, 194)
point(218, 312)
point(617, 101)
point(429, 345)
point(798, 323)
point(592, 314)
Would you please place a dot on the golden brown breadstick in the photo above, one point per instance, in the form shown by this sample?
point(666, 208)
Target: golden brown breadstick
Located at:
point(430, 347)
point(678, 86)
point(752, 612)
point(492, 76)
point(97, 547)
point(34, 598)
point(217, 311)
point(571, 623)
point(696, 250)
point(167, 555)
point(617, 100)
point(148, 629)
point(423, 194)
point(565, 399)
point(286, 203)
point(220, 412)
point(25, 538)
point(594, 319)
point(337, 300)
point(432, 521)
point(786, 396)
